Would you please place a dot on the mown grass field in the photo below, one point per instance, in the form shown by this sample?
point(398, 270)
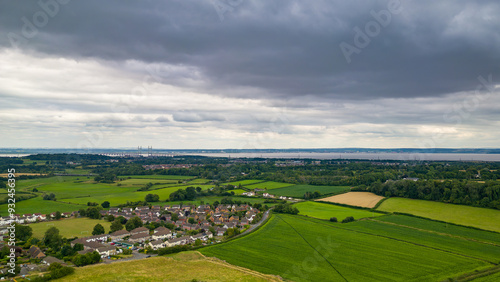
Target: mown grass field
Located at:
point(70, 227)
point(38, 205)
point(237, 191)
point(298, 191)
point(442, 228)
point(244, 182)
point(189, 266)
point(270, 185)
point(299, 248)
point(487, 219)
point(155, 176)
point(326, 211)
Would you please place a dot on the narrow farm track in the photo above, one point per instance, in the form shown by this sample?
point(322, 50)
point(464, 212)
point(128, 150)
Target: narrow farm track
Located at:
point(435, 232)
point(312, 247)
point(404, 241)
point(239, 268)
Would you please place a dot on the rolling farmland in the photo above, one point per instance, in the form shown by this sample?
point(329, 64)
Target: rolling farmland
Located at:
point(73, 192)
point(190, 266)
point(487, 219)
point(299, 248)
point(270, 185)
point(326, 211)
point(298, 191)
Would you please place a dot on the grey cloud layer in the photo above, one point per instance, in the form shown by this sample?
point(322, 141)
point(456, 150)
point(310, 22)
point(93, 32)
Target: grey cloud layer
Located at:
point(283, 48)
point(270, 71)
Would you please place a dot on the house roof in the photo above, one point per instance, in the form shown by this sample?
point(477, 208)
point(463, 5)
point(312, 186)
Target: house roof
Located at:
point(51, 260)
point(139, 236)
point(157, 242)
point(139, 229)
point(120, 233)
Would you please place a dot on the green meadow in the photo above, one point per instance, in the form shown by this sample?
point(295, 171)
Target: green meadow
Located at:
point(268, 185)
point(299, 248)
point(244, 182)
point(38, 205)
point(157, 176)
point(70, 227)
point(487, 219)
point(326, 211)
point(298, 191)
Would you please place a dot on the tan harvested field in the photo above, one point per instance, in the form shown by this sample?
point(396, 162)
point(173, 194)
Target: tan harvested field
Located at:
point(187, 266)
point(359, 199)
point(19, 174)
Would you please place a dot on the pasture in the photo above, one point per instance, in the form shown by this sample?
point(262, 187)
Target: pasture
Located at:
point(326, 211)
point(487, 219)
point(187, 266)
point(38, 205)
point(442, 228)
point(69, 227)
point(298, 191)
point(359, 199)
point(244, 182)
point(299, 248)
point(158, 176)
point(269, 185)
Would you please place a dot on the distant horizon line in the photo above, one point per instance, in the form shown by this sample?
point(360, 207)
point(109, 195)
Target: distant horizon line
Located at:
point(254, 149)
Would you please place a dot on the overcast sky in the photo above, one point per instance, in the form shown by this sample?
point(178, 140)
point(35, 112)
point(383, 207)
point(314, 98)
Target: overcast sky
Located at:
point(249, 74)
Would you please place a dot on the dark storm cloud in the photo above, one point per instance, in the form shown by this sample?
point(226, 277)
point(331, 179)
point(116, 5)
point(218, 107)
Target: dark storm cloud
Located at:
point(279, 49)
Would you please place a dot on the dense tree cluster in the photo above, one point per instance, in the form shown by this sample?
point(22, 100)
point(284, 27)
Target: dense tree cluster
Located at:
point(472, 193)
point(286, 208)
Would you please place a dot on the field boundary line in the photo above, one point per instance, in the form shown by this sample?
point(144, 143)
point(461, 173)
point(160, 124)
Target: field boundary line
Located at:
point(435, 232)
point(313, 247)
point(404, 241)
point(218, 261)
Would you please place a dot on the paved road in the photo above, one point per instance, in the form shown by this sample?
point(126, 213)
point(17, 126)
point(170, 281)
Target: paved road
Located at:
point(264, 217)
point(135, 256)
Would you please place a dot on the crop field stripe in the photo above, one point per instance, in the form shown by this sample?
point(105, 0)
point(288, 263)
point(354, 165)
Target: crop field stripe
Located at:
point(435, 232)
point(313, 247)
point(404, 241)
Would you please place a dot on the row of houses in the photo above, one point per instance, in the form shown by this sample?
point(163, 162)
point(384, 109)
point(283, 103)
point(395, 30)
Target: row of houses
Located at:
point(160, 238)
point(203, 215)
point(32, 218)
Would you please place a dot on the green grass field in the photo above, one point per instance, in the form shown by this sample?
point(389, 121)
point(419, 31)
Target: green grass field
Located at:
point(38, 205)
point(244, 182)
point(70, 227)
point(299, 248)
point(442, 228)
point(237, 191)
point(478, 250)
point(268, 185)
point(487, 219)
point(326, 211)
point(187, 266)
point(155, 176)
point(298, 191)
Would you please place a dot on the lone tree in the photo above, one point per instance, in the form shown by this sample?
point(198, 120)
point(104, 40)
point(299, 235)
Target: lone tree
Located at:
point(333, 219)
point(152, 198)
point(105, 204)
point(98, 229)
point(348, 219)
point(23, 232)
point(133, 223)
point(52, 238)
point(116, 225)
point(58, 215)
